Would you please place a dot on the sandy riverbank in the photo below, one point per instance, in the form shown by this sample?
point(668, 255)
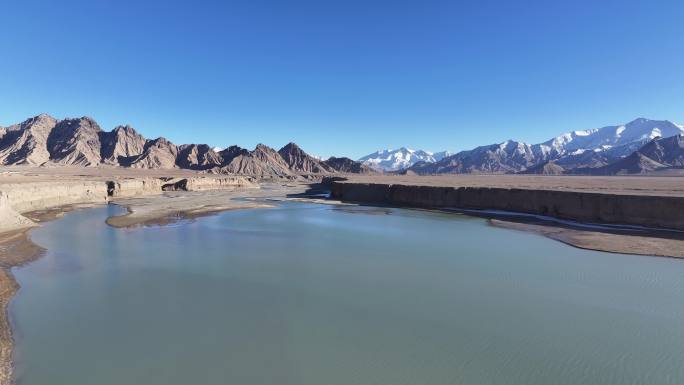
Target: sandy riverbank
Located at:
point(173, 206)
point(30, 196)
point(635, 215)
point(16, 247)
point(648, 243)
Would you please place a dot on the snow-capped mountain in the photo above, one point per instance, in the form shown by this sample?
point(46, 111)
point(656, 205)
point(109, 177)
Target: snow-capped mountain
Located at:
point(441, 155)
point(577, 149)
point(392, 160)
point(640, 130)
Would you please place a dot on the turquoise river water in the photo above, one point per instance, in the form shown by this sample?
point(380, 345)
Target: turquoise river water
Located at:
point(306, 294)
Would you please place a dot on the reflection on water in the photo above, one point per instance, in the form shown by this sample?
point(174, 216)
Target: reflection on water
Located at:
point(316, 294)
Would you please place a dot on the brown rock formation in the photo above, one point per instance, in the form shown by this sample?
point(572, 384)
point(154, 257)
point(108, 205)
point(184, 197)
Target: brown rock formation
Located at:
point(640, 210)
point(158, 153)
point(121, 145)
point(26, 143)
point(198, 157)
point(299, 161)
point(346, 165)
point(546, 168)
point(43, 140)
point(263, 161)
point(75, 142)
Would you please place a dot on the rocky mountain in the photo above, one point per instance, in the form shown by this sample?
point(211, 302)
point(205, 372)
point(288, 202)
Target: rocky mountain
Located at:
point(157, 153)
point(658, 154)
point(545, 168)
point(44, 140)
point(640, 130)
point(507, 157)
point(263, 161)
point(121, 145)
point(300, 161)
point(231, 152)
point(75, 142)
point(667, 151)
point(198, 157)
point(393, 160)
point(574, 150)
point(26, 142)
point(347, 165)
point(439, 155)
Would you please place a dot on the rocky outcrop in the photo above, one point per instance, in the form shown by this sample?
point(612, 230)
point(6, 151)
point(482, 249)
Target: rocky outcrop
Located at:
point(666, 151)
point(18, 198)
point(640, 210)
point(43, 140)
point(121, 145)
point(658, 154)
point(263, 162)
point(158, 153)
point(546, 168)
point(346, 165)
point(507, 157)
point(637, 163)
point(26, 143)
point(198, 157)
point(10, 219)
point(232, 152)
point(219, 183)
point(25, 197)
point(299, 161)
point(75, 142)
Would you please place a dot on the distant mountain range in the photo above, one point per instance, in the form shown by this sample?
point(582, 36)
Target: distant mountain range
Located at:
point(587, 152)
point(638, 147)
point(44, 140)
point(393, 160)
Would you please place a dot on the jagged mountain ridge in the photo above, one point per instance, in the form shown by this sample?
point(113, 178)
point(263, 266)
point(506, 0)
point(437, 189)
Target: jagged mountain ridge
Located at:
point(299, 160)
point(658, 154)
point(121, 145)
point(44, 140)
point(401, 158)
point(347, 165)
point(574, 150)
point(26, 142)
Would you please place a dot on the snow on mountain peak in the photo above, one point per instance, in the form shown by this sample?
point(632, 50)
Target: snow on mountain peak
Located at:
point(637, 131)
point(403, 157)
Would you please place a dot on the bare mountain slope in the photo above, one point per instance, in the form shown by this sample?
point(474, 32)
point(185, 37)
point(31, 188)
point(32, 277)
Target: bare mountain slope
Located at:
point(658, 154)
point(299, 161)
point(158, 153)
point(346, 165)
point(44, 140)
point(573, 150)
point(121, 145)
point(198, 157)
point(26, 142)
point(75, 142)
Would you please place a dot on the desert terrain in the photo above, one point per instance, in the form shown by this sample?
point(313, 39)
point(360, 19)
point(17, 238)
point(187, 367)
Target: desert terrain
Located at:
point(31, 195)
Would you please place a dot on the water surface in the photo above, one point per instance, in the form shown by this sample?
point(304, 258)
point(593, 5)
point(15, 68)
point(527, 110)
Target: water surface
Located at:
point(306, 294)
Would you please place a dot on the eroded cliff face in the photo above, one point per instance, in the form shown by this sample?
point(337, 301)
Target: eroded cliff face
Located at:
point(10, 218)
point(18, 198)
point(650, 211)
point(33, 196)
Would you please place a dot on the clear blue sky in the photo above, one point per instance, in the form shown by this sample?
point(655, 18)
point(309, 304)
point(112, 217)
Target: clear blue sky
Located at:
point(344, 77)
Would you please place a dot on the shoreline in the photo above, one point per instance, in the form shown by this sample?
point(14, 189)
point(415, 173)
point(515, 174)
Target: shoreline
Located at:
point(645, 245)
point(147, 206)
point(17, 248)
